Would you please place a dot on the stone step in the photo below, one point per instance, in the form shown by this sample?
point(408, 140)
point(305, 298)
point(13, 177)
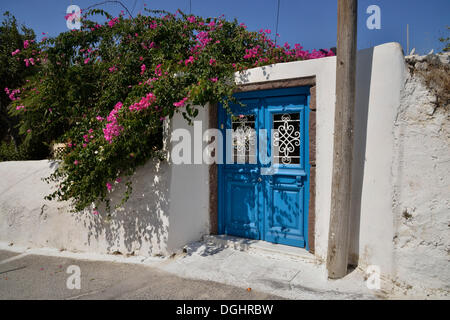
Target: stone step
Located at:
point(260, 247)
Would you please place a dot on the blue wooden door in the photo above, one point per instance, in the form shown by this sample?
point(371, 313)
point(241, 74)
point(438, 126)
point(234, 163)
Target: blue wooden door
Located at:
point(264, 181)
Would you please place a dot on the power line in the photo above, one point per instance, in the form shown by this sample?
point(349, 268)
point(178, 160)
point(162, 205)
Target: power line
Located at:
point(109, 1)
point(276, 28)
point(134, 6)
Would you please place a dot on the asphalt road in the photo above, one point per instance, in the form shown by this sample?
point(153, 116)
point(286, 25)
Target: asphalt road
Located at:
point(26, 276)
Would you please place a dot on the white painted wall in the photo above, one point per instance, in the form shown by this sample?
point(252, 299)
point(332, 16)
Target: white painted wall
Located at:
point(26, 219)
point(380, 78)
point(168, 208)
point(189, 191)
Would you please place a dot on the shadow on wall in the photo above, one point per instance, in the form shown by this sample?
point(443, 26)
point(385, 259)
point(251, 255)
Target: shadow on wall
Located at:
point(363, 84)
point(141, 225)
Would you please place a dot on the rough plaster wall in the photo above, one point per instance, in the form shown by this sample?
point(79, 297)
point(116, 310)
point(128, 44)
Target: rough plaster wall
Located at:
point(421, 202)
point(139, 227)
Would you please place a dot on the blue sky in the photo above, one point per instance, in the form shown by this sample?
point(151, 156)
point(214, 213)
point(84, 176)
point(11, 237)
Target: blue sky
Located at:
point(310, 23)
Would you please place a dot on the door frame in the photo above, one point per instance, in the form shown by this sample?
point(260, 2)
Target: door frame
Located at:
point(213, 168)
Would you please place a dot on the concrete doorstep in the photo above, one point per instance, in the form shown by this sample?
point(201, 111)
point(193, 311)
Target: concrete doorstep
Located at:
point(216, 268)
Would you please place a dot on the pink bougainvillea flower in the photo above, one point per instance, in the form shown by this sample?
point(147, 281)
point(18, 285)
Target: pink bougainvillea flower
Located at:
point(95, 212)
point(213, 79)
point(190, 60)
point(86, 61)
point(158, 70)
point(143, 69)
point(112, 22)
point(15, 52)
point(118, 180)
point(75, 162)
point(180, 103)
point(144, 103)
point(112, 127)
point(26, 44)
point(99, 118)
point(71, 16)
point(113, 69)
point(29, 130)
point(212, 62)
point(109, 186)
point(20, 107)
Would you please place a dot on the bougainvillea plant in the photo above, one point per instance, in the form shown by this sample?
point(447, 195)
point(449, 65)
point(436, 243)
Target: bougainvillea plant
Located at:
point(105, 90)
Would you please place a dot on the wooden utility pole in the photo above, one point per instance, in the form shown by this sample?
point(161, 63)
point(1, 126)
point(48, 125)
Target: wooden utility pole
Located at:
point(407, 39)
point(339, 236)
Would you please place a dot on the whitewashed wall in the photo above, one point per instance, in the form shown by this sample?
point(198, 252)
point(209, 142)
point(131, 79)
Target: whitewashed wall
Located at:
point(167, 209)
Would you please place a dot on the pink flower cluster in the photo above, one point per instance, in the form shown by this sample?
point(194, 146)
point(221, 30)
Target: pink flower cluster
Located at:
point(251, 53)
point(87, 137)
point(180, 103)
point(112, 22)
point(29, 61)
point(143, 69)
point(144, 103)
point(204, 38)
point(191, 19)
point(26, 43)
point(158, 70)
point(153, 25)
point(20, 107)
point(113, 69)
point(11, 94)
point(112, 127)
point(15, 52)
point(144, 45)
point(190, 60)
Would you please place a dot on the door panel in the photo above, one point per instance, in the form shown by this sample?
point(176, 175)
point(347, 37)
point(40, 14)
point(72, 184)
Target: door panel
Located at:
point(284, 217)
point(253, 204)
point(242, 214)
